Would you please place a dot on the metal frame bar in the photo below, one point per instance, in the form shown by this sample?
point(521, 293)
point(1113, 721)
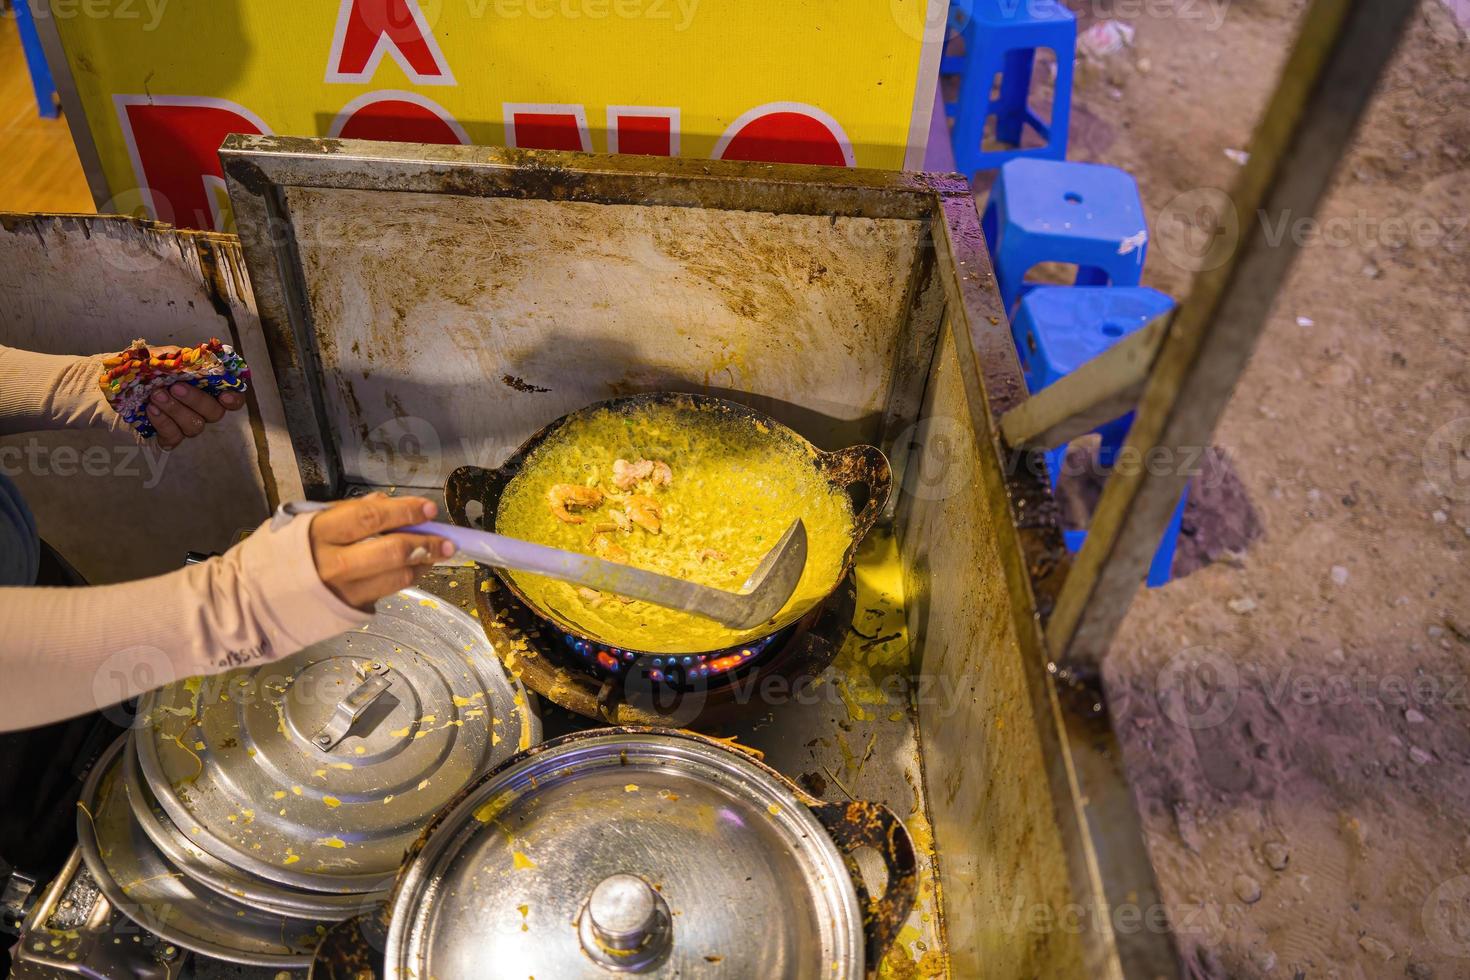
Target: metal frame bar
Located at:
point(1101, 390)
point(71, 102)
point(1109, 862)
point(1330, 76)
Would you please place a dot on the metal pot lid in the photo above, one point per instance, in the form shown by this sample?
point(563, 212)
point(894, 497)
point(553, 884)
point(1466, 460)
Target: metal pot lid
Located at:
point(318, 771)
point(145, 886)
point(222, 878)
point(641, 853)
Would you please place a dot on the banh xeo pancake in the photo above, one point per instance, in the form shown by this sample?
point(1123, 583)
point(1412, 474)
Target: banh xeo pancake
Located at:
point(719, 490)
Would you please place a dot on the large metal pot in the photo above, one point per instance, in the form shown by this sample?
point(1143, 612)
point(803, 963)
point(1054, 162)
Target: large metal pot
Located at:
point(636, 851)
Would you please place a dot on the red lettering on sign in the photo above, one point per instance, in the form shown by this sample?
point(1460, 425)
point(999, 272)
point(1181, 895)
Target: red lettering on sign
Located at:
point(537, 126)
point(643, 129)
point(174, 143)
point(403, 117)
point(786, 132)
point(368, 28)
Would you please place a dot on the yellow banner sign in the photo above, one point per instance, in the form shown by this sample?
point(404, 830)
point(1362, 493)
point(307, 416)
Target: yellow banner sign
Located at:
point(160, 83)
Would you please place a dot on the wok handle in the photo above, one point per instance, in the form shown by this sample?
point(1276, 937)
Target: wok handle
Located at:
point(864, 466)
point(465, 484)
point(859, 824)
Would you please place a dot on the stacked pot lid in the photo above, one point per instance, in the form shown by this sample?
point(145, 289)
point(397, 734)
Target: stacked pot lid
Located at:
point(628, 852)
point(285, 796)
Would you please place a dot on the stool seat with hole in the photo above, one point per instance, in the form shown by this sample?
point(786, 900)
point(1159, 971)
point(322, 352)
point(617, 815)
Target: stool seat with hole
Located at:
point(1058, 329)
point(1082, 214)
point(1001, 39)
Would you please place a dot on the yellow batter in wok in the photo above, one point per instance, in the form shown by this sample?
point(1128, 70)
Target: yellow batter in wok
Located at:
point(734, 489)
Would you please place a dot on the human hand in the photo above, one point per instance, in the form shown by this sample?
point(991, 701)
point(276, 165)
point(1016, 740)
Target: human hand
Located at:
point(359, 565)
point(182, 411)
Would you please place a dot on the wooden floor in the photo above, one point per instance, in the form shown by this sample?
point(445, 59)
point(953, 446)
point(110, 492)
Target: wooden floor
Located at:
point(39, 169)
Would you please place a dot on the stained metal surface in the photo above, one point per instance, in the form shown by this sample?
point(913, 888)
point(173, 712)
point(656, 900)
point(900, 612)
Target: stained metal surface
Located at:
point(234, 763)
point(748, 876)
point(648, 275)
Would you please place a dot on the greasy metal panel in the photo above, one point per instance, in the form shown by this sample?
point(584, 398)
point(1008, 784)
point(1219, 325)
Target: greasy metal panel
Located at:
point(471, 322)
point(83, 285)
point(1056, 835)
point(1002, 863)
point(1102, 841)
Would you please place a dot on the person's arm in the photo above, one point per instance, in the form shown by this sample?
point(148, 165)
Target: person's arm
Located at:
point(39, 392)
point(64, 652)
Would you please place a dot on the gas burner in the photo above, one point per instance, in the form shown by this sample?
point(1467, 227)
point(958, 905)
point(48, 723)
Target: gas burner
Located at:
point(674, 670)
point(626, 687)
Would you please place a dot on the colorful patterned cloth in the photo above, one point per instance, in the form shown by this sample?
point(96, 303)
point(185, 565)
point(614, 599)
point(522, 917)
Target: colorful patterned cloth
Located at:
point(129, 379)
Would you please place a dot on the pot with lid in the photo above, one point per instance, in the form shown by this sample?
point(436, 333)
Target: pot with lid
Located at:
point(252, 808)
point(637, 852)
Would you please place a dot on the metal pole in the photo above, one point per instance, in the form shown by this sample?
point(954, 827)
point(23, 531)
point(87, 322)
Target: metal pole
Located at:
point(1330, 76)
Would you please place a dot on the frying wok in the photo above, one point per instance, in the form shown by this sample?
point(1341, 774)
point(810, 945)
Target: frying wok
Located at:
point(781, 459)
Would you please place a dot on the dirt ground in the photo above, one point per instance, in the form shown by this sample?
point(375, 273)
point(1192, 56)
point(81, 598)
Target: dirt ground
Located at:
point(1296, 717)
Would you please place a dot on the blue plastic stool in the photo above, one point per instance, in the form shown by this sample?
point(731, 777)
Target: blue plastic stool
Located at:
point(1085, 214)
point(1057, 329)
point(1001, 38)
point(41, 80)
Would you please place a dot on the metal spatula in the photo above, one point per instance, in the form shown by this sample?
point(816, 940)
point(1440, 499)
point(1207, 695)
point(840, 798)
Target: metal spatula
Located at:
point(759, 599)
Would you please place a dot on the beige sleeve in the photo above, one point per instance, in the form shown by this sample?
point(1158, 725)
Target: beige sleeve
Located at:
point(65, 652)
point(52, 391)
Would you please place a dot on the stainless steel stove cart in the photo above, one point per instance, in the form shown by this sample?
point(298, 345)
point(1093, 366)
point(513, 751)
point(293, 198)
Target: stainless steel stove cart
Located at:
point(430, 307)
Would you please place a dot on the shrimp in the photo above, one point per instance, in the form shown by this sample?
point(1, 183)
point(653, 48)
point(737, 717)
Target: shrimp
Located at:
point(567, 495)
point(645, 512)
point(621, 520)
point(626, 475)
point(712, 554)
point(662, 475)
point(604, 547)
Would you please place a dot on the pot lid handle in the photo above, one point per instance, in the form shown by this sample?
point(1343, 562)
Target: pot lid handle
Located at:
point(625, 925)
point(351, 707)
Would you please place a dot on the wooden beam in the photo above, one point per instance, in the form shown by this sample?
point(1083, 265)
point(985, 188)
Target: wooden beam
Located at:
point(1106, 387)
point(1330, 75)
